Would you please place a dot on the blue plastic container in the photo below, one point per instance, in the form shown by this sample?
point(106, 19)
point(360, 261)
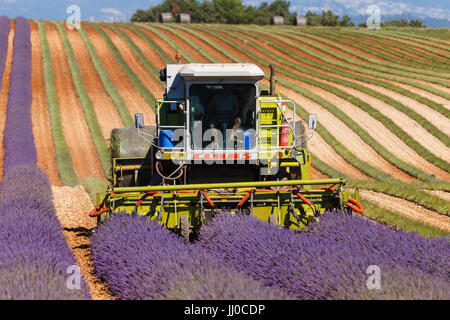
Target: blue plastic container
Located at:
point(165, 139)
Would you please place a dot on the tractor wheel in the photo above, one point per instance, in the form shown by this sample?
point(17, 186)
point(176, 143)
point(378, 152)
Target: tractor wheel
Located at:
point(184, 228)
point(273, 219)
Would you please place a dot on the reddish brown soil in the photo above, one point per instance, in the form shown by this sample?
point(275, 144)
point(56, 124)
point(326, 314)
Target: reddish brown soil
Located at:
point(182, 43)
point(151, 55)
point(72, 208)
point(149, 81)
point(76, 131)
point(42, 130)
point(134, 101)
point(4, 93)
point(162, 44)
point(407, 209)
point(106, 112)
point(316, 174)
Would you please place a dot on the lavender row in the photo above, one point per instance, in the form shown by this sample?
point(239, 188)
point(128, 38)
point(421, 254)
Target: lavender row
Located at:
point(18, 133)
point(35, 261)
point(324, 263)
point(5, 26)
point(141, 260)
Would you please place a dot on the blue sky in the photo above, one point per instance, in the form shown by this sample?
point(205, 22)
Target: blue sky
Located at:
point(115, 10)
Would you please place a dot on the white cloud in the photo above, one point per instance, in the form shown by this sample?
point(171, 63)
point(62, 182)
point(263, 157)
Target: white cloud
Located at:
point(113, 14)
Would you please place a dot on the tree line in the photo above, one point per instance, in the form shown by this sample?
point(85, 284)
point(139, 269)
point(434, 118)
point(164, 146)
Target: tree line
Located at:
point(235, 12)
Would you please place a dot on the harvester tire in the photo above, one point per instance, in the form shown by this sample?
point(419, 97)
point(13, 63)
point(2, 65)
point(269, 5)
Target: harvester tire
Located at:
point(273, 219)
point(184, 228)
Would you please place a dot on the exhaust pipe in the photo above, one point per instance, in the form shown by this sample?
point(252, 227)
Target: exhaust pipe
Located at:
point(272, 81)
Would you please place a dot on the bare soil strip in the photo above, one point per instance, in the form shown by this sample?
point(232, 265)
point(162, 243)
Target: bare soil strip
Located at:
point(162, 44)
point(407, 209)
point(197, 56)
point(4, 93)
point(107, 115)
point(147, 79)
point(438, 193)
point(72, 208)
point(316, 174)
point(151, 55)
point(76, 132)
point(40, 117)
point(134, 101)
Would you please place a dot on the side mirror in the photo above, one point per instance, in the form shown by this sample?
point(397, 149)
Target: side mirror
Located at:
point(312, 121)
point(139, 120)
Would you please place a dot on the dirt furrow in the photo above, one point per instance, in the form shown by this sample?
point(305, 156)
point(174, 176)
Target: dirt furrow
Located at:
point(107, 115)
point(133, 100)
point(72, 208)
point(407, 209)
point(76, 131)
point(149, 81)
point(438, 193)
point(40, 117)
point(161, 43)
point(4, 93)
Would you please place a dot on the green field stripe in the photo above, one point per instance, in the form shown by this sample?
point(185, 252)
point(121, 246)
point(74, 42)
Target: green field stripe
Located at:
point(64, 162)
point(164, 56)
point(360, 72)
point(95, 131)
point(407, 192)
point(440, 35)
point(380, 51)
point(404, 40)
point(193, 44)
point(109, 87)
point(389, 123)
point(143, 91)
point(362, 133)
point(400, 44)
point(425, 123)
point(169, 41)
point(357, 66)
point(441, 186)
point(414, 36)
point(376, 65)
point(211, 44)
point(142, 59)
point(381, 215)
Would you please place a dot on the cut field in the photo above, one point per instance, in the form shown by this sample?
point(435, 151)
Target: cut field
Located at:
point(382, 100)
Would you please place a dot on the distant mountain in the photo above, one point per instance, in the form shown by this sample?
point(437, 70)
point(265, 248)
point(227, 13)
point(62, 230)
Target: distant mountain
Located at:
point(434, 13)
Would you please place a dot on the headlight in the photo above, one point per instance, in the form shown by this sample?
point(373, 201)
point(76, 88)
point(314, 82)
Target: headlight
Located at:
point(159, 155)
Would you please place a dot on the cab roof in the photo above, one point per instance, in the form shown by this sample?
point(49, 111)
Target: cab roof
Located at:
point(217, 71)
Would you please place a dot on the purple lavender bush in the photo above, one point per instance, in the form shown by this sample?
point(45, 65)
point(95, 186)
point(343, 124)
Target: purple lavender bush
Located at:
point(407, 249)
point(5, 26)
point(31, 240)
point(304, 265)
point(142, 260)
point(18, 133)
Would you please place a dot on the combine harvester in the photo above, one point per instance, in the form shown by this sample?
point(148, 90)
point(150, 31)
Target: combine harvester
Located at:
point(219, 144)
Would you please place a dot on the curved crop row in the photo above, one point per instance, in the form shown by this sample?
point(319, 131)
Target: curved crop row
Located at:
point(375, 113)
point(143, 91)
point(63, 158)
point(18, 132)
point(35, 261)
point(327, 263)
point(90, 116)
point(142, 260)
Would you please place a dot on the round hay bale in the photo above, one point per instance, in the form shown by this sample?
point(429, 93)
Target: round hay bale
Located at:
point(184, 18)
point(127, 142)
point(300, 21)
point(165, 17)
point(277, 20)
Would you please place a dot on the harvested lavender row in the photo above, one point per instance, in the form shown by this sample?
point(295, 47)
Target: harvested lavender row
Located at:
point(18, 133)
point(5, 26)
point(142, 260)
point(307, 266)
point(34, 256)
point(407, 249)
